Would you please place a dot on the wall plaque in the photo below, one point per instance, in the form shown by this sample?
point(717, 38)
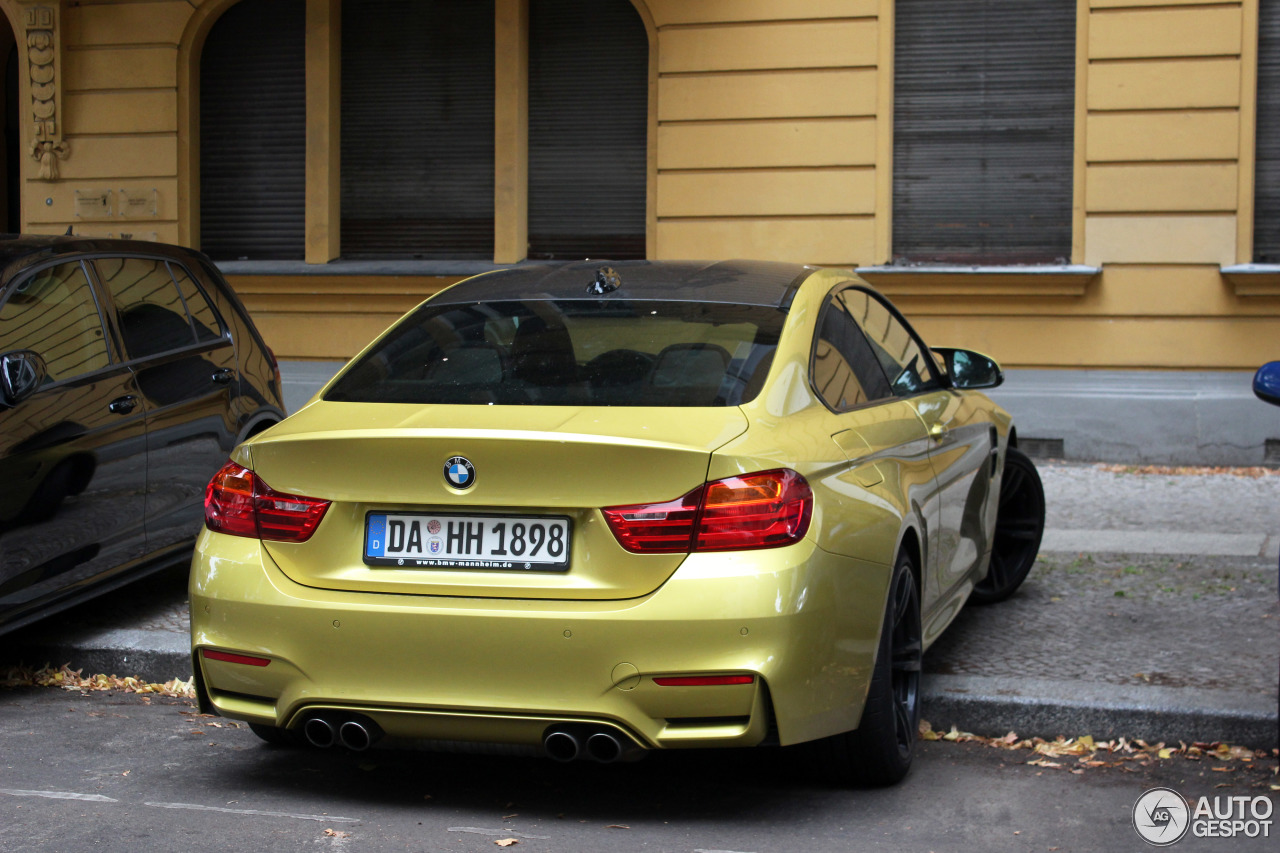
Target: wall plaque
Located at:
point(139, 203)
point(93, 204)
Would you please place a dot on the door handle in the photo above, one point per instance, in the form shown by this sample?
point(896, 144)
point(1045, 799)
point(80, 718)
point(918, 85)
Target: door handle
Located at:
point(123, 405)
point(223, 376)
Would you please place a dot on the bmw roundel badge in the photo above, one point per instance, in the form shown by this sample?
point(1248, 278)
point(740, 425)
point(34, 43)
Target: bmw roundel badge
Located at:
point(459, 472)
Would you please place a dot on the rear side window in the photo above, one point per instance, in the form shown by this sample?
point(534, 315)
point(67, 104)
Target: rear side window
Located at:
point(157, 312)
point(54, 313)
point(569, 353)
point(204, 321)
point(846, 372)
point(900, 355)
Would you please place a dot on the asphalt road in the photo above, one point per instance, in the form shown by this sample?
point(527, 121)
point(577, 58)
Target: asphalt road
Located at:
point(103, 771)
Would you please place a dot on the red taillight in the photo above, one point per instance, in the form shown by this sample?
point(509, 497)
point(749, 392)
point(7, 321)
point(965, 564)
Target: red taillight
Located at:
point(703, 680)
point(665, 528)
point(247, 660)
point(764, 510)
point(238, 502)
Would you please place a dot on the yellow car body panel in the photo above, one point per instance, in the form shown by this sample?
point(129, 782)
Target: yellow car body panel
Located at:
point(463, 668)
point(389, 459)
point(498, 657)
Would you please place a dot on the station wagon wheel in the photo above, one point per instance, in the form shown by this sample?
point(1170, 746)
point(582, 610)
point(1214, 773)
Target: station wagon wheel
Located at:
point(1019, 528)
point(880, 750)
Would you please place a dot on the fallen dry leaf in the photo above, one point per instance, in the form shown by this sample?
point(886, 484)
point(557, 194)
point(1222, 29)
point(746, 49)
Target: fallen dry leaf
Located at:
point(507, 842)
point(73, 679)
point(337, 833)
point(1195, 470)
point(1091, 753)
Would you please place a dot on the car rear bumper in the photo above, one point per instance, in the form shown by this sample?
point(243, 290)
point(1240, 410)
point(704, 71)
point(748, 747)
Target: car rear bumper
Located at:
point(802, 622)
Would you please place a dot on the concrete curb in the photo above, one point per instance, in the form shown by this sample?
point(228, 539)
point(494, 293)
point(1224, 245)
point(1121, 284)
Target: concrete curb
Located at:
point(151, 655)
point(1037, 707)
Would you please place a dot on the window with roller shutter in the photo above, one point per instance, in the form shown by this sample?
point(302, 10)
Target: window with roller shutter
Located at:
point(588, 129)
point(1266, 216)
point(984, 107)
point(418, 129)
point(253, 132)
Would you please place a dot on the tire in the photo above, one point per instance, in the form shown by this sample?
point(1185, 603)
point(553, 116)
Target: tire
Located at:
point(1019, 528)
point(880, 750)
point(276, 736)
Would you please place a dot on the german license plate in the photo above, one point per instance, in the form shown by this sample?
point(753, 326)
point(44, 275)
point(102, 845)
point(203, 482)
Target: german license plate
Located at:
point(420, 540)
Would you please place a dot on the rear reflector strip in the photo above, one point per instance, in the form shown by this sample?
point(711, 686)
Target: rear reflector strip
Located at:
point(210, 654)
point(703, 680)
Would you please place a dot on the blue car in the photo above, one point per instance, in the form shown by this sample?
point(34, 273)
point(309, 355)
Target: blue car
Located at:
point(1266, 383)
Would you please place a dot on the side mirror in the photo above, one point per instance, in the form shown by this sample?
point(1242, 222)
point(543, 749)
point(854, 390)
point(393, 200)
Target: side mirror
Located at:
point(22, 371)
point(968, 369)
point(1266, 383)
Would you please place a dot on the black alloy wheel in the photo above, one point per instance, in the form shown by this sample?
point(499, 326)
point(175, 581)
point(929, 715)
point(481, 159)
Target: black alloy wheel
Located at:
point(906, 651)
point(1019, 528)
point(879, 752)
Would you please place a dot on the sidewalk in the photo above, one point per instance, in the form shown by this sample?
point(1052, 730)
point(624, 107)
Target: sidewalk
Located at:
point(1152, 613)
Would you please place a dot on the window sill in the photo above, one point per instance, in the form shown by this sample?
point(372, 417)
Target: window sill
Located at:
point(414, 268)
point(1254, 279)
point(1049, 280)
point(344, 287)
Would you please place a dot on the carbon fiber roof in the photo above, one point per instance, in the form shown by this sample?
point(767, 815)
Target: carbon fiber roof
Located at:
point(738, 282)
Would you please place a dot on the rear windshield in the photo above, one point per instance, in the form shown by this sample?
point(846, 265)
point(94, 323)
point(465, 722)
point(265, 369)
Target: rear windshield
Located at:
point(569, 353)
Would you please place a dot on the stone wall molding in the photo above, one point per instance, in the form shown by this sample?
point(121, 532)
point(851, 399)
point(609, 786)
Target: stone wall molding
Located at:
point(40, 35)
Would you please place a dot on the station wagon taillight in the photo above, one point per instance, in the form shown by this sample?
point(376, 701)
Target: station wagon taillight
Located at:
point(764, 510)
point(238, 502)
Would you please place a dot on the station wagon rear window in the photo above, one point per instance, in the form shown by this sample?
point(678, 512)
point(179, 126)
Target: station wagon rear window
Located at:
point(569, 353)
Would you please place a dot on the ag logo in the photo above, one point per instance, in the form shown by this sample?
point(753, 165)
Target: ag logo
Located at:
point(1161, 817)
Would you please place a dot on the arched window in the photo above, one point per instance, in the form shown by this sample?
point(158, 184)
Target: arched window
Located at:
point(253, 117)
point(418, 129)
point(588, 129)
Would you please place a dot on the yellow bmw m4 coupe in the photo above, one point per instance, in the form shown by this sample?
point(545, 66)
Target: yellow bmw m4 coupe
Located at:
point(592, 510)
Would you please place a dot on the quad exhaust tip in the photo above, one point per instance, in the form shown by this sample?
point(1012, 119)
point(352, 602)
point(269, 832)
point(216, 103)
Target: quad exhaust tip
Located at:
point(598, 744)
point(356, 733)
point(320, 733)
point(568, 743)
point(562, 745)
point(604, 747)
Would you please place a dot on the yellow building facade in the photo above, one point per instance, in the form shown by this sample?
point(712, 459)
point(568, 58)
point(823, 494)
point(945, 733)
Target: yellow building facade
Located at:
point(767, 131)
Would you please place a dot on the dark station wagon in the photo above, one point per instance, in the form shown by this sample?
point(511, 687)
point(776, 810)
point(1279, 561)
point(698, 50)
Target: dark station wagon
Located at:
point(128, 372)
